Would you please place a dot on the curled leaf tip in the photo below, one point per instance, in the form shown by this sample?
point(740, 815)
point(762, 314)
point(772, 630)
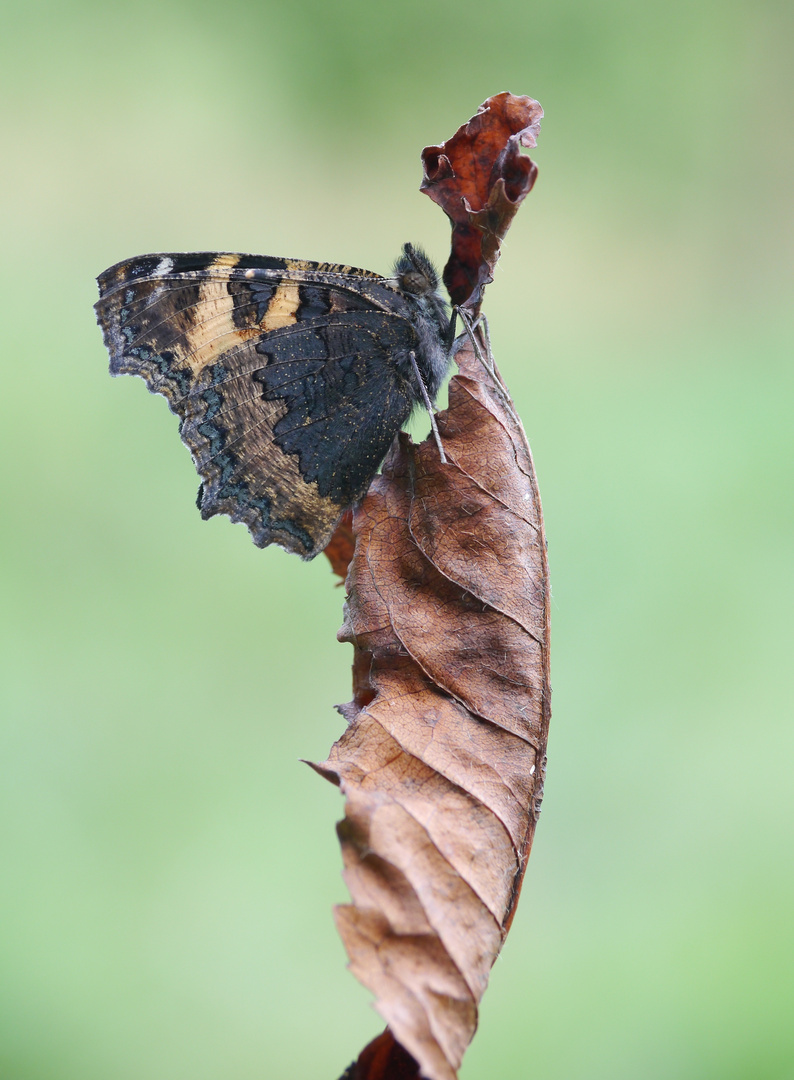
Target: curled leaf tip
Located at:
point(339, 550)
point(479, 178)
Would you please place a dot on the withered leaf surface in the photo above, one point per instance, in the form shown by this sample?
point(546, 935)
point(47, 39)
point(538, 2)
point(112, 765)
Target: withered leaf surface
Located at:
point(442, 763)
point(479, 178)
point(339, 550)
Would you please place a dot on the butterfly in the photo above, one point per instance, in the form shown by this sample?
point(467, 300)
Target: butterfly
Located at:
point(290, 378)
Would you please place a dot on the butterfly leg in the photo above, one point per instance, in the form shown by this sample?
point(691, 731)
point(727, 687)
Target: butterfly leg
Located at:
point(486, 333)
point(449, 339)
point(487, 360)
point(429, 407)
point(470, 325)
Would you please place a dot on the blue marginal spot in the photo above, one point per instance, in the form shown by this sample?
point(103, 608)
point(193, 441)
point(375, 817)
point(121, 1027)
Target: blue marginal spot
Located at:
point(215, 437)
point(214, 402)
point(294, 530)
point(163, 364)
point(240, 492)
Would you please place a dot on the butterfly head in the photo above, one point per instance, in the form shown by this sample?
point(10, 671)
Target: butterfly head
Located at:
point(415, 273)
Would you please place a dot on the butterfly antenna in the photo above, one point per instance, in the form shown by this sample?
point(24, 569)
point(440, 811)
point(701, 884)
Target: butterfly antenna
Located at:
point(429, 407)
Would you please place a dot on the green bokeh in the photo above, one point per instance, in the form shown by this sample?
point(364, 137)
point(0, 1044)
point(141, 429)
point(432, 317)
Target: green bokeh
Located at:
point(168, 865)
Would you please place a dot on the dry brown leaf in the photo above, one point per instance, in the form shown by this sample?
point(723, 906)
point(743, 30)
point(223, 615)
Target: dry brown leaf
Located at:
point(442, 764)
point(339, 550)
point(443, 761)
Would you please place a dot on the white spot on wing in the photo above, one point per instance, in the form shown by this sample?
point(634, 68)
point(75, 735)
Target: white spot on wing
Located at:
point(164, 267)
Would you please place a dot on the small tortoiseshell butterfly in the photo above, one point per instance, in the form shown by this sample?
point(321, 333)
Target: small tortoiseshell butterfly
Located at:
point(290, 378)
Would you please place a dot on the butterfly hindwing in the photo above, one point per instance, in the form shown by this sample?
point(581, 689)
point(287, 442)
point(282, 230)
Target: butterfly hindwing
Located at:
point(283, 375)
point(343, 407)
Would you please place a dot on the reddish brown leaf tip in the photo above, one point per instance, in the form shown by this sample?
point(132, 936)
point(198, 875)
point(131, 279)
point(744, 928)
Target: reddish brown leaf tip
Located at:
point(479, 178)
point(383, 1059)
point(341, 546)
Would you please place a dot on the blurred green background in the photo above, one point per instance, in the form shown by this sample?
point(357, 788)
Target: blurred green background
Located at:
point(168, 865)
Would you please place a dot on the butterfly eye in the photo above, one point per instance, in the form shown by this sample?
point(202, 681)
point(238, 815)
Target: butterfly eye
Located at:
point(414, 272)
point(414, 281)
